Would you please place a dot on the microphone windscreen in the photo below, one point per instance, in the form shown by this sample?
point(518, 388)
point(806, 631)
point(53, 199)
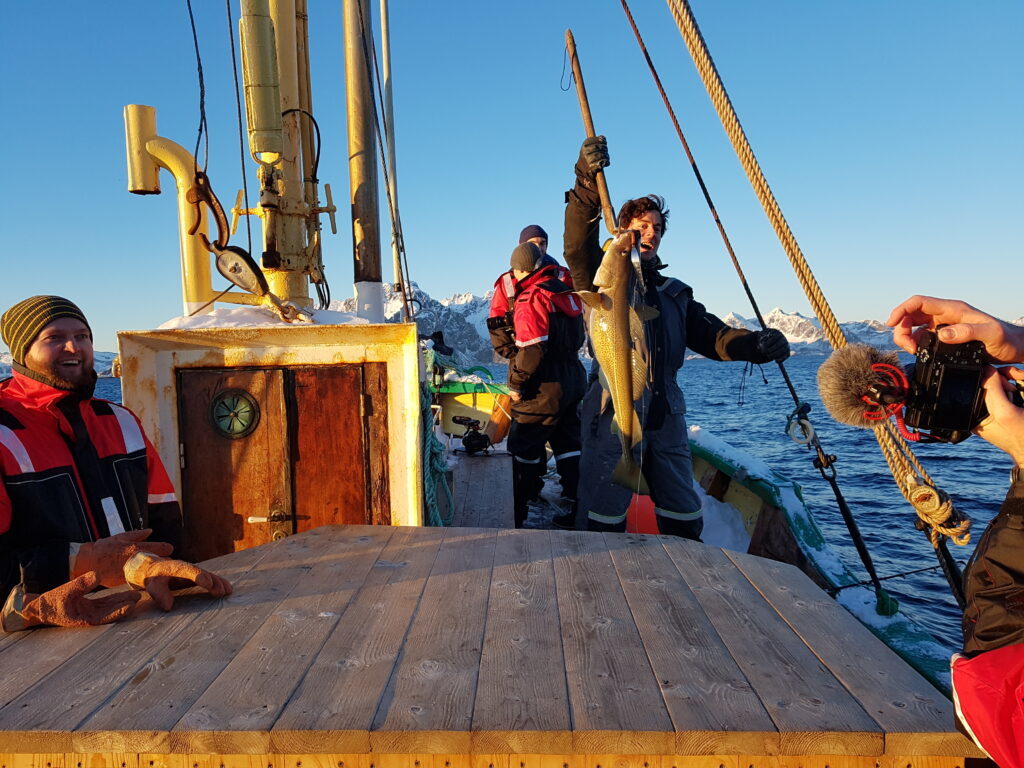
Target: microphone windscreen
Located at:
point(846, 377)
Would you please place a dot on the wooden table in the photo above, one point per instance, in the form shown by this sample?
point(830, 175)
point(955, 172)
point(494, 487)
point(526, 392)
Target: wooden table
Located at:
point(381, 647)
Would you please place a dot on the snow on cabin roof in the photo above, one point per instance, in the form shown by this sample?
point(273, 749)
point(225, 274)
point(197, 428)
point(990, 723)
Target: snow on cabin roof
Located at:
point(243, 317)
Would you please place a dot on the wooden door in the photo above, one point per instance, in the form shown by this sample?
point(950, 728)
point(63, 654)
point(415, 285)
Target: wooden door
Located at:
point(236, 473)
point(329, 446)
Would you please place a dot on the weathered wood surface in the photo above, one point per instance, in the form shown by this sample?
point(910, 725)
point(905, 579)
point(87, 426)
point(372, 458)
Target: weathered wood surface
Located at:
point(455, 648)
point(483, 491)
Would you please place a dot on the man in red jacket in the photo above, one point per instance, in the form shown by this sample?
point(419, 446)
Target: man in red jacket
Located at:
point(546, 381)
point(81, 486)
point(499, 320)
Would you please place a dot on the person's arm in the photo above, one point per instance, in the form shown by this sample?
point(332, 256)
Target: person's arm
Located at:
point(499, 325)
point(532, 325)
point(39, 566)
point(707, 335)
point(1003, 342)
point(582, 248)
point(1004, 425)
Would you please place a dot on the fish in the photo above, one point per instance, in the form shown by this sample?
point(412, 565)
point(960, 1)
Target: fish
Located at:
point(616, 329)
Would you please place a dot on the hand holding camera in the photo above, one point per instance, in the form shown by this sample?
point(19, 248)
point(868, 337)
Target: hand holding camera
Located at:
point(1003, 342)
point(961, 325)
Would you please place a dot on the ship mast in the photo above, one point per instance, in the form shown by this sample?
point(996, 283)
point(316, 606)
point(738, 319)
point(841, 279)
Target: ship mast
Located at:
point(362, 163)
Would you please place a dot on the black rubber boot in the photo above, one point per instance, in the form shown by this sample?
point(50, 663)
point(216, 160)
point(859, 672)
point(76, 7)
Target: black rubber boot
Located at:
point(524, 489)
point(567, 520)
point(687, 529)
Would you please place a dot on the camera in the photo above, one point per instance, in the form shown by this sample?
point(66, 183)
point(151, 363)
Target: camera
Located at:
point(501, 323)
point(945, 396)
point(473, 441)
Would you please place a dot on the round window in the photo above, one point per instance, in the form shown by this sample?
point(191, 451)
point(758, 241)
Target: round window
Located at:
point(234, 413)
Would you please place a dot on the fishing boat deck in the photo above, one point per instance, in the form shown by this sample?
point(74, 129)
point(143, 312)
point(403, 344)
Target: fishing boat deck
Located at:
point(391, 647)
point(482, 491)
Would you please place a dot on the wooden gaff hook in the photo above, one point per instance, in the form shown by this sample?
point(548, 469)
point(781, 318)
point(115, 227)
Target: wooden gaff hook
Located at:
point(588, 124)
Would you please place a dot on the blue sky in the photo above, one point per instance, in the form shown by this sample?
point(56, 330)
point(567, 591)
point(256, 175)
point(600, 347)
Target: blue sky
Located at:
point(889, 131)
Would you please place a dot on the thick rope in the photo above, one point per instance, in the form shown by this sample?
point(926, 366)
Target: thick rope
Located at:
point(434, 466)
point(910, 477)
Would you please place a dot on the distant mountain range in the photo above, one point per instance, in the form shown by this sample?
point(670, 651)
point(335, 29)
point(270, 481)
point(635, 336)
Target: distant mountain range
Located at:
point(462, 319)
point(103, 362)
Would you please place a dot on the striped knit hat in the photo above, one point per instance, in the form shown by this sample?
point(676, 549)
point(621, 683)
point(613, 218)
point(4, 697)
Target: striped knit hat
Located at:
point(22, 323)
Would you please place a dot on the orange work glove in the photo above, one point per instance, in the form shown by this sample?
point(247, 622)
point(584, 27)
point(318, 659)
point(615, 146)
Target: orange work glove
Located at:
point(158, 576)
point(66, 606)
point(107, 556)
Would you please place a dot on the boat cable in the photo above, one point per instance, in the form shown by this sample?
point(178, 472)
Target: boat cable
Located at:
point(381, 129)
point(798, 424)
point(934, 508)
point(323, 288)
point(202, 99)
point(241, 135)
point(833, 591)
point(200, 173)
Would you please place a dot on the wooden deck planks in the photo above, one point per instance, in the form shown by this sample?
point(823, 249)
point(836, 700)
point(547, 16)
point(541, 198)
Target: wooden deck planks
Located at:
point(145, 708)
point(522, 701)
point(617, 705)
point(713, 707)
point(814, 713)
point(429, 707)
point(241, 705)
point(910, 711)
point(443, 648)
point(483, 491)
point(334, 706)
point(47, 717)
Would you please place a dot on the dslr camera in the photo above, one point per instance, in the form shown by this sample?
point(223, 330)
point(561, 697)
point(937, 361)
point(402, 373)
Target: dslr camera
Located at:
point(945, 397)
point(502, 323)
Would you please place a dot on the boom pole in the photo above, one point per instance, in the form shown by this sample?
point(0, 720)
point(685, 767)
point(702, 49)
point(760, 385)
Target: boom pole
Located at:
point(362, 164)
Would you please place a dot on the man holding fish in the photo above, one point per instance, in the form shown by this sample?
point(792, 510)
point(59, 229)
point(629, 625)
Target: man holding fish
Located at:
point(640, 324)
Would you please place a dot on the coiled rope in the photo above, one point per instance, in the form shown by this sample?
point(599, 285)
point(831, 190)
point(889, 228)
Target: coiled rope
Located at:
point(435, 465)
point(933, 507)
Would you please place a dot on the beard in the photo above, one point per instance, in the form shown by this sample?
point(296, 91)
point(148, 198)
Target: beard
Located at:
point(83, 385)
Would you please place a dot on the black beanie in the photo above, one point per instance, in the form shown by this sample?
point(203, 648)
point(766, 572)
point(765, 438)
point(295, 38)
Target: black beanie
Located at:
point(534, 230)
point(22, 323)
point(525, 257)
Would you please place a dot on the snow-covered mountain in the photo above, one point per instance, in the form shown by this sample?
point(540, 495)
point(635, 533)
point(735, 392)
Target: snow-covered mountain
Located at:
point(103, 363)
point(805, 334)
point(462, 319)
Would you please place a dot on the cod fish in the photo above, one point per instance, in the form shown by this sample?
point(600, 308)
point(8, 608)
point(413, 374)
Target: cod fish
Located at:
point(616, 329)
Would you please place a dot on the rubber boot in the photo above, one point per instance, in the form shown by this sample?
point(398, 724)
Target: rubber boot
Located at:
point(567, 520)
point(687, 529)
point(569, 477)
point(524, 488)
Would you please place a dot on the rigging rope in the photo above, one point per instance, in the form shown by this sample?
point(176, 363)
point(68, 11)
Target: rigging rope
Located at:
point(907, 472)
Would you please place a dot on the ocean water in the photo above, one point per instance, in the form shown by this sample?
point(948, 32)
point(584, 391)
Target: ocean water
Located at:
point(750, 414)
point(736, 404)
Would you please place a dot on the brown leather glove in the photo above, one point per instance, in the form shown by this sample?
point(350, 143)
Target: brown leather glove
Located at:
point(107, 556)
point(158, 576)
point(66, 606)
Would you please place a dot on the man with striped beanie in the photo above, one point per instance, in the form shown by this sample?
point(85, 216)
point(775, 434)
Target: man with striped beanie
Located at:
point(81, 486)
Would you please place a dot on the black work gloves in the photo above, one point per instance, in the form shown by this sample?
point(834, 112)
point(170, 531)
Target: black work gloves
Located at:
point(593, 157)
point(772, 344)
